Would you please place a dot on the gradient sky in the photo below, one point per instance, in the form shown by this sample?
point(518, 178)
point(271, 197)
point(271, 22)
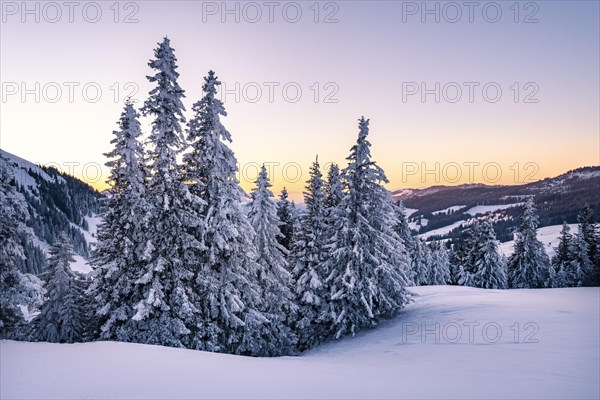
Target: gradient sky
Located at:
point(371, 52)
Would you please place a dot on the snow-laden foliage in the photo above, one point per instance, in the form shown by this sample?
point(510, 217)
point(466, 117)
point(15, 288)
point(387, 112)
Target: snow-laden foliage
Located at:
point(163, 301)
point(334, 187)
point(528, 266)
point(420, 263)
point(367, 265)
point(121, 238)
point(310, 251)
point(226, 283)
point(16, 288)
point(286, 215)
point(484, 267)
point(274, 279)
point(589, 237)
point(566, 271)
point(61, 318)
point(440, 264)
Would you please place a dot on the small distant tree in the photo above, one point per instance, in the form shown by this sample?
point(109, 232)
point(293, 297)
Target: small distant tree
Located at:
point(589, 234)
point(565, 271)
point(440, 264)
point(487, 268)
point(285, 213)
point(420, 263)
point(528, 266)
point(61, 317)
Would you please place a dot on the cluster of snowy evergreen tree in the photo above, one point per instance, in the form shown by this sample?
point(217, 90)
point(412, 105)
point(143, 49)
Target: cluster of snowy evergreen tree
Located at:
point(179, 263)
point(477, 262)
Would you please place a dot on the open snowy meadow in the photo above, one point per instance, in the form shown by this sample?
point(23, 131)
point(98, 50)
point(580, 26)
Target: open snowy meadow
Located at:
point(451, 342)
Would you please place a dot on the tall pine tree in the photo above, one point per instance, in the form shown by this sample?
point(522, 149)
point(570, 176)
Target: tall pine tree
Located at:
point(117, 256)
point(367, 262)
point(226, 285)
point(165, 312)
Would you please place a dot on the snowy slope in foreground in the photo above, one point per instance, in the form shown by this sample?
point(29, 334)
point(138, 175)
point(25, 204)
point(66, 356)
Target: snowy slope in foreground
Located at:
point(396, 360)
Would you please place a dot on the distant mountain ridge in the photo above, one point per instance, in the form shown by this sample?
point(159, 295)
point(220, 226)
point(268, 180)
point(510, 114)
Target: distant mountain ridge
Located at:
point(56, 202)
point(558, 199)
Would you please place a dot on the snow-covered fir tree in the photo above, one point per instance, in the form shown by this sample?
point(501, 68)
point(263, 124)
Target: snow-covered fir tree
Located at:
point(273, 277)
point(163, 301)
point(465, 257)
point(402, 228)
point(420, 263)
point(286, 215)
point(590, 234)
point(121, 238)
point(310, 251)
point(565, 274)
point(528, 266)
point(226, 285)
point(484, 263)
point(458, 258)
point(61, 317)
point(367, 264)
point(440, 264)
point(581, 264)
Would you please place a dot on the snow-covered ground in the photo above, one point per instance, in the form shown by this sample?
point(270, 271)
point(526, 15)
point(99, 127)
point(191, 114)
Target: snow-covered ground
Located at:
point(452, 342)
point(443, 230)
point(447, 210)
point(548, 235)
point(494, 207)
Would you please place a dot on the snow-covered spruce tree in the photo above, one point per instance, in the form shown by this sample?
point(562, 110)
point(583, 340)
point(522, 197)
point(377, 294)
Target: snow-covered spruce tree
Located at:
point(529, 264)
point(226, 285)
point(465, 257)
point(368, 267)
point(589, 232)
point(562, 262)
point(581, 264)
point(163, 301)
point(285, 213)
point(121, 236)
point(420, 263)
point(61, 317)
point(403, 230)
point(486, 267)
point(16, 288)
point(310, 251)
point(440, 264)
point(273, 276)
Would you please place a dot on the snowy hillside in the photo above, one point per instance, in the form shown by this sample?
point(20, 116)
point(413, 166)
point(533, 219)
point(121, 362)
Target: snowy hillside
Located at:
point(519, 338)
point(56, 203)
point(548, 235)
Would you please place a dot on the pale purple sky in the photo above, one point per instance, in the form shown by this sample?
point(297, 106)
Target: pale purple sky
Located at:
point(368, 61)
